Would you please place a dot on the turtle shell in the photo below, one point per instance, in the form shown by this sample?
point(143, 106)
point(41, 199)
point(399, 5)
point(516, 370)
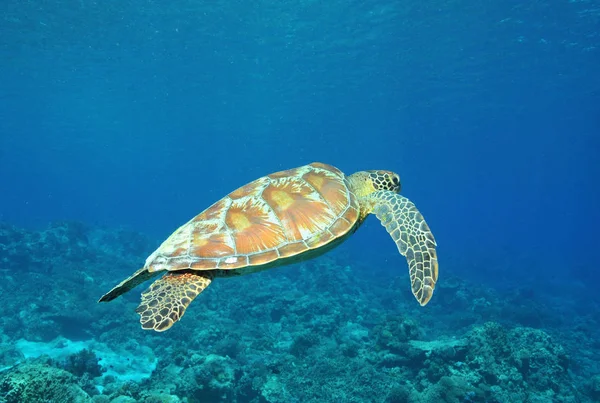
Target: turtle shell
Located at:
point(274, 217)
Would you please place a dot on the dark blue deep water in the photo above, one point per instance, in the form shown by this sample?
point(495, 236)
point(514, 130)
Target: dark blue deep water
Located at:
point(121, 120)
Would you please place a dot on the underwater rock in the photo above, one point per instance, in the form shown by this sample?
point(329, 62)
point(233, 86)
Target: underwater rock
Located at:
point(445, 349)
point(123, 399)
point(303, 342)
point(36, 328)
point(353, 332)
point(449, 389)
point(594, 387)
point(40, 383)
point(496, 364)
point(9, 356)
point(38, 251)
point(82, 363)
point(51, 274)
point(353, 338)
point(273, 391)
point(152, 397)
point(519, 355)
point(63, 242)
point(399, 394)
point(209, 378)
point(393, 333)
point(125, 363)
point(14, 253)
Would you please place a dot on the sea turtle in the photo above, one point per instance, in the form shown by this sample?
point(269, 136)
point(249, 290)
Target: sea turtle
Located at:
point(275, 220)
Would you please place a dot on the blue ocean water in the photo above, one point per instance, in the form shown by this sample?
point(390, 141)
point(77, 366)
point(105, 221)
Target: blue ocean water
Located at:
point(127, 118)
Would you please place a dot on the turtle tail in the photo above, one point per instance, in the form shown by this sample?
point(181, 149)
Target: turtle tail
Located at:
point(129, 283)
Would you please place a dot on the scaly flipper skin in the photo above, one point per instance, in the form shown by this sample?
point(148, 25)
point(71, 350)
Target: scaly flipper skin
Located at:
point(129, 283)
point(413, 237)
point(165, 302)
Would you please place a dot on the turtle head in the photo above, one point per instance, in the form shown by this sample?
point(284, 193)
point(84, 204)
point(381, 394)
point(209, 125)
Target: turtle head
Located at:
point(366, 182)
point(385, 180)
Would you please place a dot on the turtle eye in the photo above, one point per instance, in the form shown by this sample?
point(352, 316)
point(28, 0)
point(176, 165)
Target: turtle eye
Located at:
point(396, 180)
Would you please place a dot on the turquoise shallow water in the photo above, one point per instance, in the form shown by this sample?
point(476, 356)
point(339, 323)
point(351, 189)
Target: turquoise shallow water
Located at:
point(119, 121)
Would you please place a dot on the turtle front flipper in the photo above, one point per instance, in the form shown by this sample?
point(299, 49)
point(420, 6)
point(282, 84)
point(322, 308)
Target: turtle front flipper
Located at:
point(413, 237)
point(165, 302)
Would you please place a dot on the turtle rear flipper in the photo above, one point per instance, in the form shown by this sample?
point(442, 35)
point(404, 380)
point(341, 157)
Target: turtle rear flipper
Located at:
point(166, 300)
point(413, 237)
point(129, 283)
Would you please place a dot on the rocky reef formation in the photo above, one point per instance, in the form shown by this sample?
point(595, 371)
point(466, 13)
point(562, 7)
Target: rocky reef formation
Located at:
point(324, 330)
point(40, 382)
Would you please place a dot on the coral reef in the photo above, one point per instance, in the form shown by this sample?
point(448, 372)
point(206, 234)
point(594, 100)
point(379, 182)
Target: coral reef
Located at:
point(207, 378)
point(38, 382)
point(329, 329)
point(84, 362)
point(493, 364)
